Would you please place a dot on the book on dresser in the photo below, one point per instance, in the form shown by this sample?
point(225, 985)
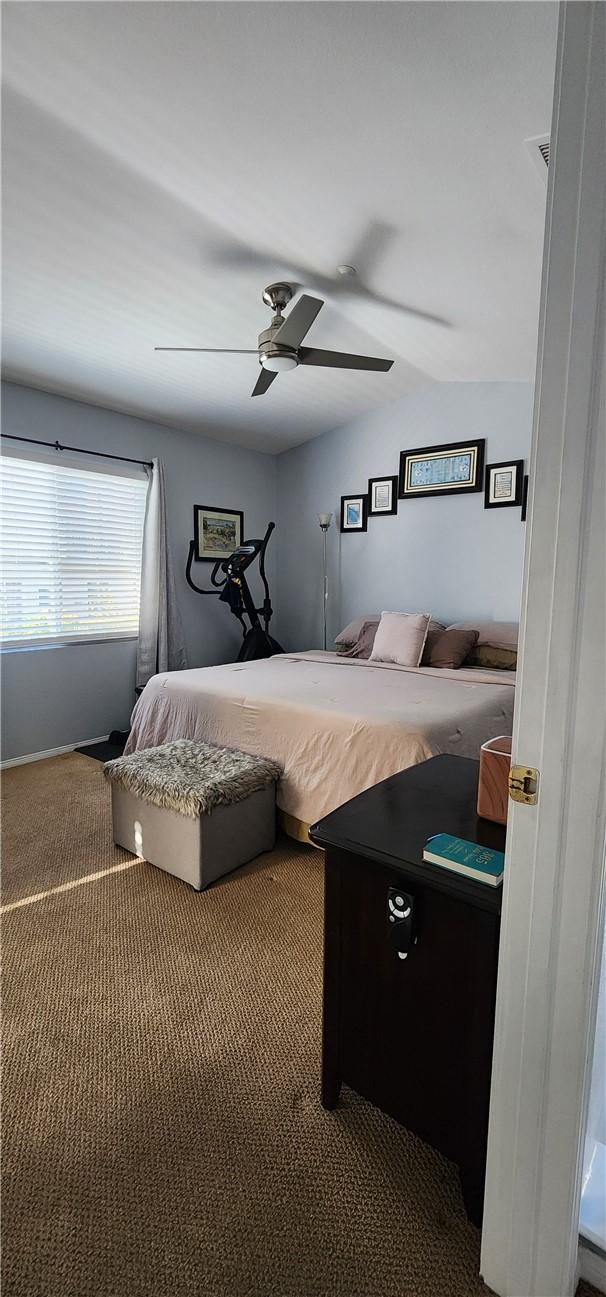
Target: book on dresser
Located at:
point(467, 858)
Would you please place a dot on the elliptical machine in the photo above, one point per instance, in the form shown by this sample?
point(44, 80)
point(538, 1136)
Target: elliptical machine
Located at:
point(234, 590)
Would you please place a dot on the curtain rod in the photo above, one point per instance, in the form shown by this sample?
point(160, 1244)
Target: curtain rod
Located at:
point(56, 445)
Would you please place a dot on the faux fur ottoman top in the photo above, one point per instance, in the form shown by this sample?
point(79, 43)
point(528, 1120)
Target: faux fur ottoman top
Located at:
point(191, 777)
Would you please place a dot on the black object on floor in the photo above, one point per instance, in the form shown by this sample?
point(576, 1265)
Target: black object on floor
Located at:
point(112, 747)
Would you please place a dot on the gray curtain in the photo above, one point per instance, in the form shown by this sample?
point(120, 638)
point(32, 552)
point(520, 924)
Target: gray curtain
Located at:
point(161, 646)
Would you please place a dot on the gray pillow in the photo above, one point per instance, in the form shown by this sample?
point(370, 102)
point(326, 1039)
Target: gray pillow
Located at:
point(495, 659)
point(434, 630)
point(493, 634)
point(357, 639)
point(351, 633)
point(451, 648)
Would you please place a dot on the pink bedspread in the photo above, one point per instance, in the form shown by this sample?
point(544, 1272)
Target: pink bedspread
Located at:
point(335, 726)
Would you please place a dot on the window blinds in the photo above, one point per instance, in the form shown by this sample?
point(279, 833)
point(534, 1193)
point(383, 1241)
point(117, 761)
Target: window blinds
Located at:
point(70, 549)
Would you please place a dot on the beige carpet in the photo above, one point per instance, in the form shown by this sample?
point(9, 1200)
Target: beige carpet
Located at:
point(163, 1133)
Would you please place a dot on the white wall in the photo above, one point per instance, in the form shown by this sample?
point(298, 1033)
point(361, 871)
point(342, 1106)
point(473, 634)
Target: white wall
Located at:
point(55, 696)
point(447, 556)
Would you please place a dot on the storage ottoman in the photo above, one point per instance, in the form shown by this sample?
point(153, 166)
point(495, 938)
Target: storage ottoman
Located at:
point(196, 810)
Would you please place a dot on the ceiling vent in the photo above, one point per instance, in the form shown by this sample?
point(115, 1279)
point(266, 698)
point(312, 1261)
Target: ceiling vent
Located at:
point(538, 148)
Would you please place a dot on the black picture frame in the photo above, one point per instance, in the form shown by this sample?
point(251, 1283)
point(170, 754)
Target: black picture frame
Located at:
point(202, 553)
point(383, 513)
point(448, 450)
point(513, 501)
point(354, 497)
point(524, 499)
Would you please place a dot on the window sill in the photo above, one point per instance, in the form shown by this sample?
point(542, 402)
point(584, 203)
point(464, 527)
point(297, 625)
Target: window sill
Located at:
point(65, 643)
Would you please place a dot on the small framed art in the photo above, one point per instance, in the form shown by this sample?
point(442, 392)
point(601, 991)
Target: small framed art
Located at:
point(504, 483)
point(354, 512)
point(451, 469)
point(217, 532)
point(382, 496)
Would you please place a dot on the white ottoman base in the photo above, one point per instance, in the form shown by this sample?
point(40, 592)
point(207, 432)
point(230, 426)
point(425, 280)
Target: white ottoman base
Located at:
point(197, 850)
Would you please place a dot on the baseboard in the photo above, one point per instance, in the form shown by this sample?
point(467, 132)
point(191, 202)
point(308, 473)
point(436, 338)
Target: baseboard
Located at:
point(592, 1266)
point(51, 752)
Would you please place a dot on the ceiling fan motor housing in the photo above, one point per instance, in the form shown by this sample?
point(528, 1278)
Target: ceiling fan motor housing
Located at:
point(272, 350)
point(277, 296)
point(273, 355)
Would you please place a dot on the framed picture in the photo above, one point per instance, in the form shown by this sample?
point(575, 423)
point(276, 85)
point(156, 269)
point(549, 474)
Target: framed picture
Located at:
point(442, 470)
point(382, 495)
point(504, 483)
point(524, 499)
point(217, 532)
point(354, 512)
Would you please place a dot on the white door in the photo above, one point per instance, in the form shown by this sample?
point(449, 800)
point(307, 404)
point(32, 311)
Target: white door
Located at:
point(554, 859)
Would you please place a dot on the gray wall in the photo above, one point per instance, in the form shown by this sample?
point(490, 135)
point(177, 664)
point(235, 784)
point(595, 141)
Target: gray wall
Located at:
point(60, 695)
point(447, 556)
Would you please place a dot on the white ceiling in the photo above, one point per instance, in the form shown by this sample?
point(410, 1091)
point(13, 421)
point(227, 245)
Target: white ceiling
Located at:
point(164, 161)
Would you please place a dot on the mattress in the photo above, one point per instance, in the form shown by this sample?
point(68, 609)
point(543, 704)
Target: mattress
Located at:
point(336, 726)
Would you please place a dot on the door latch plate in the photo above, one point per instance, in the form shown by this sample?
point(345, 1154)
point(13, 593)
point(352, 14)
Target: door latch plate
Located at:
point(524, 784)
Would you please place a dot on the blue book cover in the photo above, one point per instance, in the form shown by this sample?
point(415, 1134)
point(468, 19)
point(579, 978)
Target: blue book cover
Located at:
point(467, 858)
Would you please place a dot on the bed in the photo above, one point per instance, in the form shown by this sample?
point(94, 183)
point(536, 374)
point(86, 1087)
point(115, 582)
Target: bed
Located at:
point(336, 725)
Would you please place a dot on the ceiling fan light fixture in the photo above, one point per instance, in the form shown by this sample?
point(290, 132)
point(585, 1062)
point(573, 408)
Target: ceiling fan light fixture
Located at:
point(279, 364)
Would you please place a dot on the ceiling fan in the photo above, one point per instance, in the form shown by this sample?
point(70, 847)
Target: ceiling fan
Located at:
point(280, 347)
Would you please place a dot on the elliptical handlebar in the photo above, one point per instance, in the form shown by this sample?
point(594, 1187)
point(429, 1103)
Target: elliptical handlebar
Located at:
point(267, 610)
point(255, 548)
point(188, 576)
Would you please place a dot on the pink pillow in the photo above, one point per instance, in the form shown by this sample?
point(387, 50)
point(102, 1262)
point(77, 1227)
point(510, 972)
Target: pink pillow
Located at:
point(400, 638)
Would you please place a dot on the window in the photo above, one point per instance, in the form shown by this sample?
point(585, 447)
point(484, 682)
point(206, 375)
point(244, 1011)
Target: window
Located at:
point(70, 549)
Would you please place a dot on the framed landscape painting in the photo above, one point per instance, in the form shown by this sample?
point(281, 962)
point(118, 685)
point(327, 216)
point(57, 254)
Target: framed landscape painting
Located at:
point(452, 469)
point(217, 532)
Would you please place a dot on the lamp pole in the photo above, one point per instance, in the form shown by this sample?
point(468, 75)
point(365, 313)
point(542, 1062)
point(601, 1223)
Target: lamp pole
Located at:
point(325, 520)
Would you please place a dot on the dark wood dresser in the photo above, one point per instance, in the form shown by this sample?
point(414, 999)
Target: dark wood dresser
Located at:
point(410, 962)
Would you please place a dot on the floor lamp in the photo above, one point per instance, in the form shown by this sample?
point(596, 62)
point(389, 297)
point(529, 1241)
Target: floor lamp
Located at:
point(325, 520)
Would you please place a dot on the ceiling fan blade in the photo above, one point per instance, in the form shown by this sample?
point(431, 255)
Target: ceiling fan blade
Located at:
point(265, 379)
point(341, 360)
point(298, 321)
point(218, 351)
